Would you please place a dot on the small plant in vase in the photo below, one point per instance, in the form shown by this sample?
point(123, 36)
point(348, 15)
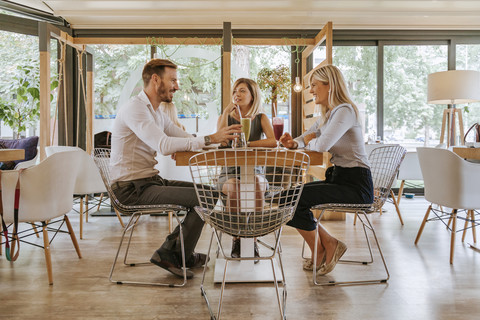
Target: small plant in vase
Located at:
point(275, 82)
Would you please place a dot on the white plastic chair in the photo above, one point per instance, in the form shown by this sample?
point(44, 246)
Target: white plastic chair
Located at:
point(409, 170)
point(46, 193)
point(28, 163)
point(451, 182)
point(88, 182)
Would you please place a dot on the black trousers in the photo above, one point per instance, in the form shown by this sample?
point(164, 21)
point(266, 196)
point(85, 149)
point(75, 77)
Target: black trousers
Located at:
point(341, 185)
point(156, 190)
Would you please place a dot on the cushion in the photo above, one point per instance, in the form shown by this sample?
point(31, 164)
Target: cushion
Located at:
point(6, 165)
point(29, 144)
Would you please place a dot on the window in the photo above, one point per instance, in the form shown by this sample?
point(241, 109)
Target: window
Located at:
point(359, 67)
point(248, 61)
point(19, 84)
point(198, 101)
point(468, 58)
point(118, 70)
point(408, 119)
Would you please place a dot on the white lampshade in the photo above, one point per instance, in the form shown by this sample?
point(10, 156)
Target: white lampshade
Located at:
point(453, 87)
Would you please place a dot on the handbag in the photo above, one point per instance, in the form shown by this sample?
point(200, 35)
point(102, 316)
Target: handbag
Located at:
point(476, 130)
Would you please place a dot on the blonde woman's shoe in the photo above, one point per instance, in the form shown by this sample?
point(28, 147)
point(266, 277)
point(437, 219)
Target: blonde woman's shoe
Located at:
point(308, 264)
point(339, 251)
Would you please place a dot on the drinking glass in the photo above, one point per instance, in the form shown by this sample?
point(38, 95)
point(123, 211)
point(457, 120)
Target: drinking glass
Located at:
point(277, 123)
point(239, 141)
point(246, 124)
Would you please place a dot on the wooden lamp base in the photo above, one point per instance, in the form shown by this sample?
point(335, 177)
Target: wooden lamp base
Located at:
point(450, 117)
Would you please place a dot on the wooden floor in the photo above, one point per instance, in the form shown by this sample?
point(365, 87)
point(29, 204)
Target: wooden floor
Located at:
point(423, 285)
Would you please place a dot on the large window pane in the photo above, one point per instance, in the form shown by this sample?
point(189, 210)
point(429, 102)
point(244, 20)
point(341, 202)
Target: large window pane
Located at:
point(359, 67)
point(249, 61)
point(468, 58)
point(20, 83)
point(199, 72)
point(408, 119)
point(118, 73)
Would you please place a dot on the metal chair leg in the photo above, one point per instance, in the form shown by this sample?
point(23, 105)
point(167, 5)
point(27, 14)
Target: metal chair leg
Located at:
point(281, 298)
point(362, 216)
point(130, 226)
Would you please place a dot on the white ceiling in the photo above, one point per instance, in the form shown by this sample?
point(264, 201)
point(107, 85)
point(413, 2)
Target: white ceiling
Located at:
point(265, 14)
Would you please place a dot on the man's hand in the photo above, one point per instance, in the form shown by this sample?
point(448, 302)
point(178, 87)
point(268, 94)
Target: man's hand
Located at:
point(224, 135)
point(287, 141)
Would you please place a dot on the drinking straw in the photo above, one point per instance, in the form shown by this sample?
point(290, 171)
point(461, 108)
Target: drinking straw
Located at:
point(239, 113)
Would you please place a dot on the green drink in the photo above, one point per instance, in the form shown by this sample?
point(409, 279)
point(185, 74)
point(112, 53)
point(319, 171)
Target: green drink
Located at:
point(246, 127)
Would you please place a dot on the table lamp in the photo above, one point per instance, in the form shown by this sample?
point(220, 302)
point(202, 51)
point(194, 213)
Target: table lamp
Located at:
point(453, 87)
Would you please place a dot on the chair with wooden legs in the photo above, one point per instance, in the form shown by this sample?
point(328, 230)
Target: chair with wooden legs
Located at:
point(89, 182)
point(451, 183)
point(102, 160)
point(45, 197)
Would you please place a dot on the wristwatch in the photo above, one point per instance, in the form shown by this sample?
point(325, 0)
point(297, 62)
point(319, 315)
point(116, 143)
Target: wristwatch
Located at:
point(208, 140)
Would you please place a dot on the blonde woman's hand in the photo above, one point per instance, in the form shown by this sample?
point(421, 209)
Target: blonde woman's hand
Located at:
point(231, 108)
point(309, 137)
point(287, 141)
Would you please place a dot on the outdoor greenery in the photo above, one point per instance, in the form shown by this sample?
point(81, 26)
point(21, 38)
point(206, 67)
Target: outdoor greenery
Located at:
point(23, 109)
point(113, 65)
point(19, 84)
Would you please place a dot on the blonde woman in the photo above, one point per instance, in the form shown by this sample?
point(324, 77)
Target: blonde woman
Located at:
point(348, 181)
point(247, 96)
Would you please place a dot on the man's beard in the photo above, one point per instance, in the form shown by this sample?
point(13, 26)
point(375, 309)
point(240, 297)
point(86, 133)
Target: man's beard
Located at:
point(163, 93)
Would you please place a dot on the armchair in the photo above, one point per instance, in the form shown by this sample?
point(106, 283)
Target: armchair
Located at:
point(88, 181)
point(46, 192)
point(451, 182)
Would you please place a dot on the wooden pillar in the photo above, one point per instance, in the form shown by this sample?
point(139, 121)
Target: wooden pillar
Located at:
point(44, 48)
point(329, 41)
point(89, 104)
point(226, 64)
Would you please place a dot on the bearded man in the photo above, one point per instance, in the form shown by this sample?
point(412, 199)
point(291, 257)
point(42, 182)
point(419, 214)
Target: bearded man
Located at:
point(140, 131)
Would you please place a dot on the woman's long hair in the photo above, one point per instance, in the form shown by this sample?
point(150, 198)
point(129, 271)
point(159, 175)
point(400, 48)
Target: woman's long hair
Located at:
point(338, 93)
point(171, 111)
point(256, 95)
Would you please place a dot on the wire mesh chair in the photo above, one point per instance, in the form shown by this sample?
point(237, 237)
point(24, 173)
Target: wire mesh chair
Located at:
point(102, 160)
point(385, 162)
point(251, 218)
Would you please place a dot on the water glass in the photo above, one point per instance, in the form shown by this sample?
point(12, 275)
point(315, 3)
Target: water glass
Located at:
point(239, 141)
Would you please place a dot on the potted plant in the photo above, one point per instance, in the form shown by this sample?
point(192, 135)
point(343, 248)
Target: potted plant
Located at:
point(276, 83)
point(22, 109)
